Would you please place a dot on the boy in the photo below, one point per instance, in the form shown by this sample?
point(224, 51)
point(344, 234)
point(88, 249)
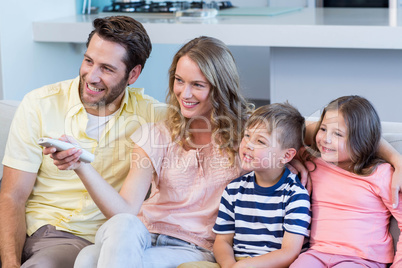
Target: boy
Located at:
point(265, 214)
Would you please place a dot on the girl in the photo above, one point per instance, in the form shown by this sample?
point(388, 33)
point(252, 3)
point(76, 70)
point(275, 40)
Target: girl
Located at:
point(351, 199)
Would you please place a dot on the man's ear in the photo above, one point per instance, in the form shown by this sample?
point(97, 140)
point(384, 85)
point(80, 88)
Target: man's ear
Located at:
point(288, 156)
point(134, 74)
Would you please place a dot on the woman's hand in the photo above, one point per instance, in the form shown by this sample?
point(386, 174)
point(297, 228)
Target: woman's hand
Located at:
point(65, 160)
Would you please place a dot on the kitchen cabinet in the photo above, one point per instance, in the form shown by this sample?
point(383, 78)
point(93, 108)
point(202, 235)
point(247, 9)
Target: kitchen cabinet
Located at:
point(316, 54)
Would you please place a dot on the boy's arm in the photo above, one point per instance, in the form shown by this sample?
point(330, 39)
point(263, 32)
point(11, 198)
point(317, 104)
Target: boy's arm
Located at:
point(290, 250)
point(223, 250)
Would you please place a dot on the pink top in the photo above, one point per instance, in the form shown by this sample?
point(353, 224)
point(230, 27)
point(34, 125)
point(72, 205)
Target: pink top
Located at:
point(351, 213)
point(187, 186)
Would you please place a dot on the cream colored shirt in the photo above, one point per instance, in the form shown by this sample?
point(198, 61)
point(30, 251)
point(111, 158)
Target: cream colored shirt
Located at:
point(187, 186)
point(59, 198)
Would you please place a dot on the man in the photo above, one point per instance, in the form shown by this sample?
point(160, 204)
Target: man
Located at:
point(46, 215)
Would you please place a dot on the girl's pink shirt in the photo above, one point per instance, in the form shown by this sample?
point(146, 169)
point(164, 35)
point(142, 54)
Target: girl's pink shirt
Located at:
point(186, 187)
point(351, 213)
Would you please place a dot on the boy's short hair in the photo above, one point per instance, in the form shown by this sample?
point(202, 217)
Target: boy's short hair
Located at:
point(287, 121)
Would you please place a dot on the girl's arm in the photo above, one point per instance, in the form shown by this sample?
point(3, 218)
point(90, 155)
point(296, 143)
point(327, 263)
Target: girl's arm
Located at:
point(223, 250)
point(391, 155)
point(290, 250)
point(384, 184)
point(310, 128)
point(296, 166)
point(397, 214)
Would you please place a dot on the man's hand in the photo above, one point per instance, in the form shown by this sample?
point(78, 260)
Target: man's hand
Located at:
point(65, 160)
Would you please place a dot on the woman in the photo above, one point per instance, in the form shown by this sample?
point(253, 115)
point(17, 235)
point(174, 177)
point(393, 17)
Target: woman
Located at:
point(189, 159)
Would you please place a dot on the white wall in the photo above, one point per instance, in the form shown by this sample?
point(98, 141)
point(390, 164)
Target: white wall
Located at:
point(310, 78)
point(252, 62)
point(24, 64)
point(1, 73)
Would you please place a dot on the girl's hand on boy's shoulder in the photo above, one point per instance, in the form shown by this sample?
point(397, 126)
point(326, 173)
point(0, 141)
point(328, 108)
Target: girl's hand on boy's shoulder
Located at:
point(297, 167)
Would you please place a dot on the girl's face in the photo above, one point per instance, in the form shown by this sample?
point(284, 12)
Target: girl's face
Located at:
point(331, 140)
point(192, 89)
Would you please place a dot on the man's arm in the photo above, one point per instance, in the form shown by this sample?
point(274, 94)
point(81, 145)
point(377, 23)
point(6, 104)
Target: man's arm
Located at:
point(290, 250)
point(16, 187)
point(223, 250)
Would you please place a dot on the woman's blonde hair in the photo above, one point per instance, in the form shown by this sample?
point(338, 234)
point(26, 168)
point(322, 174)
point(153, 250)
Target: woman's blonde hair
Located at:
point(229, 109)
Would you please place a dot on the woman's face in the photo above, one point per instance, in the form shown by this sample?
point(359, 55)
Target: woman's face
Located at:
point(331, 139)
point(192, 89)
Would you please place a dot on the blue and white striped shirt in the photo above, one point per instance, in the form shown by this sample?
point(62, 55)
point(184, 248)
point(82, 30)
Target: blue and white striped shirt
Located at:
point(259, 215)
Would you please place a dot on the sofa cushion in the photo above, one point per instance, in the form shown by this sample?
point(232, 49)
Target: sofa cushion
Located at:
point(7, 110)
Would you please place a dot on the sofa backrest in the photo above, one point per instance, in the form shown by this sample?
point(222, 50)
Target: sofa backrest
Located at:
point(7, 110)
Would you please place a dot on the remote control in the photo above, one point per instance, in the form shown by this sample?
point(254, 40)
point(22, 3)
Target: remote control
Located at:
point(86, 156)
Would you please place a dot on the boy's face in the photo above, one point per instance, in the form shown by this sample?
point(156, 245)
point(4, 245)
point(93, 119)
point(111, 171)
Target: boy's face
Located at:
point(260, 150)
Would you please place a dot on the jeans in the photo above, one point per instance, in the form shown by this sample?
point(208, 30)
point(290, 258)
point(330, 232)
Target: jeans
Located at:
point(124, 241)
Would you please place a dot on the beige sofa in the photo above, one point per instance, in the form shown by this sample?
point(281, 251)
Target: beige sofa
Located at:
point(392, 132)
point(7, 110)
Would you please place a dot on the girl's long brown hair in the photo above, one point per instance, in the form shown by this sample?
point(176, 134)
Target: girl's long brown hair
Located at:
point(363, 133)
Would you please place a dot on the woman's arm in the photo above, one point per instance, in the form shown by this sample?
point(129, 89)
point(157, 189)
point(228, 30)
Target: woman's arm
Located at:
point(109, 201)
point(132, 193)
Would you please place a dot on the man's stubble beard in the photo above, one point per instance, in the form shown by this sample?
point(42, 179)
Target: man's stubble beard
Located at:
point(113, 94)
